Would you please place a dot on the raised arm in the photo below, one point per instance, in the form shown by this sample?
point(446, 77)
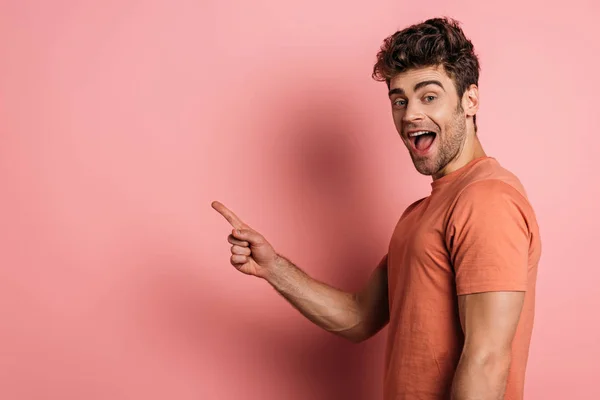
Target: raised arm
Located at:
point(354, 316)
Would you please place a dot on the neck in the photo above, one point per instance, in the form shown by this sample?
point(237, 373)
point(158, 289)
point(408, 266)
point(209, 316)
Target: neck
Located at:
point(471, 150)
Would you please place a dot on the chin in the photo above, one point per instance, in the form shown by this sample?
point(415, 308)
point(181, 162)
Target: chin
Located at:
point(426, 171)
point(426, 166)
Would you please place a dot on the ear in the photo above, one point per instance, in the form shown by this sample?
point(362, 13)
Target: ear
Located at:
point(471, 101)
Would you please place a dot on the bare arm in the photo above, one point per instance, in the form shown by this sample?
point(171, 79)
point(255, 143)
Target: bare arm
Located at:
point(489, 321)
point(354, 316)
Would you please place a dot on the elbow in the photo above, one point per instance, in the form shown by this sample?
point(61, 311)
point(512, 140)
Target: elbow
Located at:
point(366, 322)
point(364, 331)
point(357, 337)
point(356, 334)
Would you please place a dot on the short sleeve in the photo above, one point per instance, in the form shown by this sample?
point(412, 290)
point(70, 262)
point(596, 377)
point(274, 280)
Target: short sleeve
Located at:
point(488, 238)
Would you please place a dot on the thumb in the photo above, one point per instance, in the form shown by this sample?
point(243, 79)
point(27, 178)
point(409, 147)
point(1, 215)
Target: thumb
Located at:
point(249, 235)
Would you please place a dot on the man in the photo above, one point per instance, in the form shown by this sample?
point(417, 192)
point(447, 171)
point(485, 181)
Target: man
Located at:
point(457, 285)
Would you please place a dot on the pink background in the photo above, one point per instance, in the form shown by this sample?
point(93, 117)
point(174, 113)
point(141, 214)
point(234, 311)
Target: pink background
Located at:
point(120, 121)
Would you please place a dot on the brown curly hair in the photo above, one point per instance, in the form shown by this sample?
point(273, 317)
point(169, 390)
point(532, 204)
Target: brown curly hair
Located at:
point(436, 41)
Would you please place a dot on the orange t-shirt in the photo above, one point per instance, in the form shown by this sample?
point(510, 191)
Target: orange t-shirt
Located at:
point(476, 232)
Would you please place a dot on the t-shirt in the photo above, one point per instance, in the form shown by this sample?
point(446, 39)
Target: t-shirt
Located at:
point(475, 232)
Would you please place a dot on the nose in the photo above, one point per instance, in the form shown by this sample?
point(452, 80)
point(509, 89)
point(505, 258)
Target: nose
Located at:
point(413, 114)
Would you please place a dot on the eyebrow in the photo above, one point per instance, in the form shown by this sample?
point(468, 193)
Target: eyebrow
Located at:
point(417, 87)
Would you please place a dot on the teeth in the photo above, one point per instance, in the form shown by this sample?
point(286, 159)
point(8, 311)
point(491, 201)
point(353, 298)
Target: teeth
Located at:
point(418, 133)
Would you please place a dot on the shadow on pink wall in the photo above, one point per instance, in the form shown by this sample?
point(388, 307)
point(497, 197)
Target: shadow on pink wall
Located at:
point(320, 151)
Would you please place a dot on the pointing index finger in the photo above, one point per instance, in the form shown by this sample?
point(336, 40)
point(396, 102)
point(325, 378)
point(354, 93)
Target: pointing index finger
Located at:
point(229, 215)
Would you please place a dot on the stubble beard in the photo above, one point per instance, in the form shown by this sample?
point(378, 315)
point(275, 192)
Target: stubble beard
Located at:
point(448, 147)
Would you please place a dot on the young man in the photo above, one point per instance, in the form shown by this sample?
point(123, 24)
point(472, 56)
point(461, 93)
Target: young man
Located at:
point(457, 285)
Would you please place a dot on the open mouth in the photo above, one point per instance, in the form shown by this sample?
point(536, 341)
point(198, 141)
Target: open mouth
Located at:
point(422, 140)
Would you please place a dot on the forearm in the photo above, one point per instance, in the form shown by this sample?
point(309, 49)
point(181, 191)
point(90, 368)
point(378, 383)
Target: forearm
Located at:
point(481, 376)
point(329, 308)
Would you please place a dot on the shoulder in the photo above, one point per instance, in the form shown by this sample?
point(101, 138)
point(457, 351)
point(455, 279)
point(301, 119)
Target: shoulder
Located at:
point(490, 168)
point(490, 190)
point(492, 205)
point(492, 194)
point(489, 181)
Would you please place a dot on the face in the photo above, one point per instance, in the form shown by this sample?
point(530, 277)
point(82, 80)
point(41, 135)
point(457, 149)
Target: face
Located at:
point(430, 117)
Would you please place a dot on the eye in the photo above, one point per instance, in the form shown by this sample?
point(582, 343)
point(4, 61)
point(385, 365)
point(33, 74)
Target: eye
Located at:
point(429, 98)
point(399, 103)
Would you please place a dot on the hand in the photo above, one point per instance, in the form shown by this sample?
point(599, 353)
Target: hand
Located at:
point(250, 253)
